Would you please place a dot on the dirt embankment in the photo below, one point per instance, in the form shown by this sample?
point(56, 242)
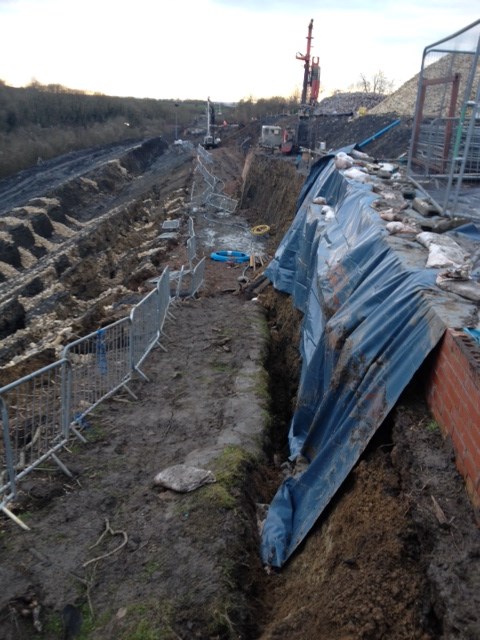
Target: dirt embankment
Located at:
point(68, 258)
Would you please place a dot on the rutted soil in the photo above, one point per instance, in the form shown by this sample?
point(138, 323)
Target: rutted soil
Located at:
point(83, 246)
point(397, 553)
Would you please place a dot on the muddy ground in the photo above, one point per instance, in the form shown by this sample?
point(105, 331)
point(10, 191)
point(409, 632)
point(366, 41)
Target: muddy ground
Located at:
point(397, 555)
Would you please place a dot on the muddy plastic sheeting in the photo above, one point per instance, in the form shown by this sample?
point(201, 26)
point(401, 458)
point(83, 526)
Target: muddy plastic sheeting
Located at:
point(370, 319)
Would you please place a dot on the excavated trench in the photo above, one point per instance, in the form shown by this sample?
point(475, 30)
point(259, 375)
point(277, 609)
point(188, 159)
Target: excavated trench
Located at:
point(379, 563)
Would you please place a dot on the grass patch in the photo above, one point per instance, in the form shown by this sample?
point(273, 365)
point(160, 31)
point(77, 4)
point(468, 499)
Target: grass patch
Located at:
point(148, 621)
point(219, 497)
point(222, 367)
point(229, 467)
point(260, 385)
point(152, 567)
point(229, 470)
point(432, 426)
point(54, 624)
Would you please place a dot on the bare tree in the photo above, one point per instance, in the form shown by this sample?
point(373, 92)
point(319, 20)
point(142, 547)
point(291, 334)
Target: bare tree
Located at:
point(379, 83)
point(364, 84)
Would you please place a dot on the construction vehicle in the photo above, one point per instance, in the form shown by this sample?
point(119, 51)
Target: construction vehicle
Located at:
point(295, 138)
point(272, 137)
point(311, 77)
point(210, 141)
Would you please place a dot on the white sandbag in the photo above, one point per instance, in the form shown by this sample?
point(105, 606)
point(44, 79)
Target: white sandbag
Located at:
point(399, 227)
point(183, 478)
point(465, 287)
point(359, 155)
point(439, 257)
point(388, 215)
point(388, 166)
point(356, 174)
point(343, 161)
point(328, 212)
point(443, 251)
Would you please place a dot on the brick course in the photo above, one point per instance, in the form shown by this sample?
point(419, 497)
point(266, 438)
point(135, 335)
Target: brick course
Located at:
point(453, 396)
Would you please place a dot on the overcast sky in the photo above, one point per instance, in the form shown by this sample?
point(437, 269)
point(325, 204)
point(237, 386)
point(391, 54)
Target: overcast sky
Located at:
point(225, 49)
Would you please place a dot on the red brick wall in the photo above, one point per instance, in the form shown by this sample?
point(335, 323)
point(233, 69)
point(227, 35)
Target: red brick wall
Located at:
point(453, 395)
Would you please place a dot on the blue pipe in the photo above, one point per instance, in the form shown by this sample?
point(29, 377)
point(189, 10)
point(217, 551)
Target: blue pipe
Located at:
point(379, 133)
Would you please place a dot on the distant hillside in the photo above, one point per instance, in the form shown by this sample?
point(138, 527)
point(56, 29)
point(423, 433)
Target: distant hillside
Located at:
point(40, 122)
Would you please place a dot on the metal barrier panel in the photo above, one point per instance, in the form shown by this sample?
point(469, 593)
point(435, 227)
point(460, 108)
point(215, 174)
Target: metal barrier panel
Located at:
point(7, 467)
point(99, 365)
point(191, 250)
point(145, 328)
point(210, 179)
point(163, 289)
point(191, 229)
point(204, 154)
point(220, 201)
point(445, 147)
point(197, 277)
point(34, 423)
point(200, 193)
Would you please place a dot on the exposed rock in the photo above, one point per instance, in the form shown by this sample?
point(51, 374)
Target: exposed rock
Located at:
point(12, 318)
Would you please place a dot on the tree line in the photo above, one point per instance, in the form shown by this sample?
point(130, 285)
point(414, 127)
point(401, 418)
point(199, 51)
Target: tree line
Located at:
point(39, 122)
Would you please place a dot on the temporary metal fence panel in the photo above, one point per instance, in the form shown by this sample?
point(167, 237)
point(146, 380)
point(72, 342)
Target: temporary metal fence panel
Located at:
point(145, 329)
point(39, 411)
point(204, 154)
point(445, 147)
point(34, 426)
point(200, 192)
point(221, 202)
point(210, 179)
point(100, 365)
point(191, 250)
point(191, 228)
point(198, 275)
point(163, 289)
point(7, 478)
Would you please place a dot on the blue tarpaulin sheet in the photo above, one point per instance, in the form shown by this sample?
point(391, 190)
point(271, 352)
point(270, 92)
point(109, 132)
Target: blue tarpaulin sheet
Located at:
point(367, 327)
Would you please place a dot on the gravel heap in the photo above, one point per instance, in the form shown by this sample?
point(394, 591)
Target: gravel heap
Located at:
point(348, 103)
point(404, 99)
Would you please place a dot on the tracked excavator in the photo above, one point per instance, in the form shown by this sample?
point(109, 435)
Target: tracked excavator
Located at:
point(210, 141)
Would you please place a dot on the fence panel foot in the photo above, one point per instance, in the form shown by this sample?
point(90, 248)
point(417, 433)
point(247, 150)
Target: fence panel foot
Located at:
point(15, 518)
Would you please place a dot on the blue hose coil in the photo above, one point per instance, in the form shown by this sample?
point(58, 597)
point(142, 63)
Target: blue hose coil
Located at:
point(230, 256)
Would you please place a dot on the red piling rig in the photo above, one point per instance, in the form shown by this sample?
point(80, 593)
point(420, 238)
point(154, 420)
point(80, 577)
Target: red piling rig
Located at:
point(314, 80)
point(311, 77)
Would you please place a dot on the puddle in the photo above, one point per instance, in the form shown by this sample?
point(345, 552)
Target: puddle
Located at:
point(228, 233)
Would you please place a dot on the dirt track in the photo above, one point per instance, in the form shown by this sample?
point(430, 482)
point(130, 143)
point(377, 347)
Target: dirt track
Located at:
point(381, 564)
